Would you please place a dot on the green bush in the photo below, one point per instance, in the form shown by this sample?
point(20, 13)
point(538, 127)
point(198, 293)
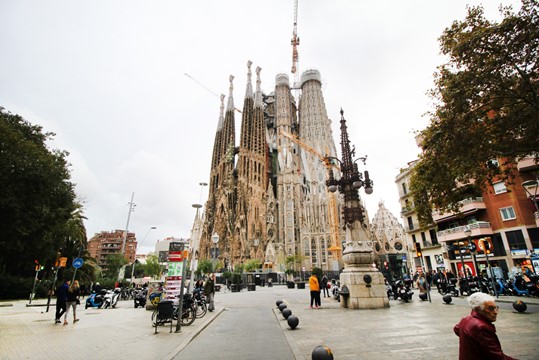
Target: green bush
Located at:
point(15, 287)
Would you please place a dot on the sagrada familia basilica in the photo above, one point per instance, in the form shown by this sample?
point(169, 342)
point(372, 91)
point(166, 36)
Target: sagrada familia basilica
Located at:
point(268, 197)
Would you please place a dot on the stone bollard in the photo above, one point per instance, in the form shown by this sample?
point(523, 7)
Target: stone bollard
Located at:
point(278, 302)
point(322, 352)
point(447, 299)
point(293, 321)
point(282, 307)
point(286, 313)
point(520, 306)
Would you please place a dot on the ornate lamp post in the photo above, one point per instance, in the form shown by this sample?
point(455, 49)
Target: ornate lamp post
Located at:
point(364, 284)
point(533, 196)
point(215, 240)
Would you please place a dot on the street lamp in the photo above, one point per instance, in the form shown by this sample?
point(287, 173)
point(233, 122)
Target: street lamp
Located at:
point(533, 196)
point(215, 240)
point(138, 246)
point(358, 254)
point(468, 234)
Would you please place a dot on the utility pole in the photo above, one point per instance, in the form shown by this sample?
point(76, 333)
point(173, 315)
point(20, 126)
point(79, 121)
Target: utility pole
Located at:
point(131, 208)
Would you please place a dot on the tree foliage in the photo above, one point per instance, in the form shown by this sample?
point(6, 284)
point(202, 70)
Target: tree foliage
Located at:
point(153, 268)
point(38, 205)
point(486, 107)
point(113, 264)
point(252, 265)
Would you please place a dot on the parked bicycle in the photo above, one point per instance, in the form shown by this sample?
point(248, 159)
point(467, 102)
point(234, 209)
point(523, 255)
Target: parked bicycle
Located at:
point(189, 312)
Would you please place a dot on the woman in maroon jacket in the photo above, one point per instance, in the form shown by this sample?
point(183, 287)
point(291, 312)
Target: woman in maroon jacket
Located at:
point(477, 333)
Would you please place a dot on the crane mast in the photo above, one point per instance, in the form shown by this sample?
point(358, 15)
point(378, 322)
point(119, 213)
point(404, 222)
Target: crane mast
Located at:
point(295, 39)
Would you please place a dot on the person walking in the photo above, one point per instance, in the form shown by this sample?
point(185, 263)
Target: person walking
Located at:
point(73, 295)
point(477, 333)
point(61, 300)
point(209, 291)
point(315, 291)
point(324, 285)
point(422, 284)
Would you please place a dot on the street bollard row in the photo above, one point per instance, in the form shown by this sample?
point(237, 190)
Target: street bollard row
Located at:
point(292, 320)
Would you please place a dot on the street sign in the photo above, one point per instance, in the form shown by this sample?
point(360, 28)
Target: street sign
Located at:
point(77, 263)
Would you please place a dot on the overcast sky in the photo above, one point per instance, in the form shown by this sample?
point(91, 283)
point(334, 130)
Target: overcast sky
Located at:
point(108, 77)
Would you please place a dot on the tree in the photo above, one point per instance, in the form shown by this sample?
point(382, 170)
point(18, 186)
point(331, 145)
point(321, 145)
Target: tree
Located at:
point(252, 265)
point(486, 111)
point(204, 267)
point(37, 198)
point(114, 263)
point(153, 268)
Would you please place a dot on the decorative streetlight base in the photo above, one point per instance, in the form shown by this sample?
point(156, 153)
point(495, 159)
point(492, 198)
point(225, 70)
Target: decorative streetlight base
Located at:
point(365, 284)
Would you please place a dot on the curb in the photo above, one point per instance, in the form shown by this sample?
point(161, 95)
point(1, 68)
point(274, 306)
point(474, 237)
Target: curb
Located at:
point(191, 336)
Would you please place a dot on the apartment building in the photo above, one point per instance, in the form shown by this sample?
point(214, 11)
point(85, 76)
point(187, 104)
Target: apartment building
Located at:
point(111, 242)
point(504, 216)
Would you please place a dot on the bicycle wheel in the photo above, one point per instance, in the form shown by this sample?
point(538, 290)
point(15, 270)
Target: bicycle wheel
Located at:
point(189, 316)
point(201, 309)
point(156, 322)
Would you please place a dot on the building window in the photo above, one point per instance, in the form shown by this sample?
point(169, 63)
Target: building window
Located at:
point(410, 223)
point(516, 240)
point(424, 239)
point(499, 188)
point(433, 238)
point(508, 213)
point(404, 191)
point(313, 252)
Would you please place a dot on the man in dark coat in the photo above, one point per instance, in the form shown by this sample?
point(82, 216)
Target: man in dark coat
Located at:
point(61, 300)
point(477, 333)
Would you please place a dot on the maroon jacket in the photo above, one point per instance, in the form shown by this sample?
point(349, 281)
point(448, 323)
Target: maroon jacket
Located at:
point(478, 339)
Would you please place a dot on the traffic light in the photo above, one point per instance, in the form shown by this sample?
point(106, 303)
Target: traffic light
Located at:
point(36, 263)
point(385, 264)
point(418, 250)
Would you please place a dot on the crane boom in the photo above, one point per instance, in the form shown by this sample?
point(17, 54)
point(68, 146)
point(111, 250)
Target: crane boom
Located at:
point(295, 39)
point(332, 202)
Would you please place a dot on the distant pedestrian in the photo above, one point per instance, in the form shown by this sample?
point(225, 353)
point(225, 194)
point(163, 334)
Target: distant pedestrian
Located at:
point(315, 291)
point(477, 333)
point(209, 291)
point(324, 285)
point(61, 300)
point(73, 295)
point(422, 284)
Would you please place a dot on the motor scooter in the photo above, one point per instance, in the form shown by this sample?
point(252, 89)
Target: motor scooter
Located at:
point(95, 300)
point(111, 298)
point(140, 297)
point(404, 291)
point(335, 289)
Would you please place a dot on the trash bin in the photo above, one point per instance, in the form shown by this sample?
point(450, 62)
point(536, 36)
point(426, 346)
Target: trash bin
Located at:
point(165, 311)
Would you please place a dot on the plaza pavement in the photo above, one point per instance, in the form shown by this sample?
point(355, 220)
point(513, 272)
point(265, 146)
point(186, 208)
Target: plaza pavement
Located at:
point(248, 325)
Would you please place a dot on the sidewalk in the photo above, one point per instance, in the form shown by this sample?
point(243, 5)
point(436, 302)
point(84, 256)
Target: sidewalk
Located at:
point(249, 321)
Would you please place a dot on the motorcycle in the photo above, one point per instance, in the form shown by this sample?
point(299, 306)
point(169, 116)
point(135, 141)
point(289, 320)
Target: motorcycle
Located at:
point(404, 291)
point(503, 288)
point(335, 290)
point(451, 287)
point(140, 297)
point(111, 298)
point(96, 299)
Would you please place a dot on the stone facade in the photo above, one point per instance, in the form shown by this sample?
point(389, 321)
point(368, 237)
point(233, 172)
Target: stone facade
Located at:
point(267, 196)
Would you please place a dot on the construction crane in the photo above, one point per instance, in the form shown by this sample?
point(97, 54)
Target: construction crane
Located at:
point(205, 87)
point(332, 202)
point(295, 39)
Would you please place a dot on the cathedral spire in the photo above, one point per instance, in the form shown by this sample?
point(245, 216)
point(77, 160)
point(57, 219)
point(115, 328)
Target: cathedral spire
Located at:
point(249, 90)
point(221, 113)
point(230, 105)
point(258, 95)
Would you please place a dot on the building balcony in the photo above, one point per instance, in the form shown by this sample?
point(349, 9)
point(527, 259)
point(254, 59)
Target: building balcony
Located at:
point(480, 228)
point(467, 206)
point(406, 210)
point(411, 227)
point(528, 163)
